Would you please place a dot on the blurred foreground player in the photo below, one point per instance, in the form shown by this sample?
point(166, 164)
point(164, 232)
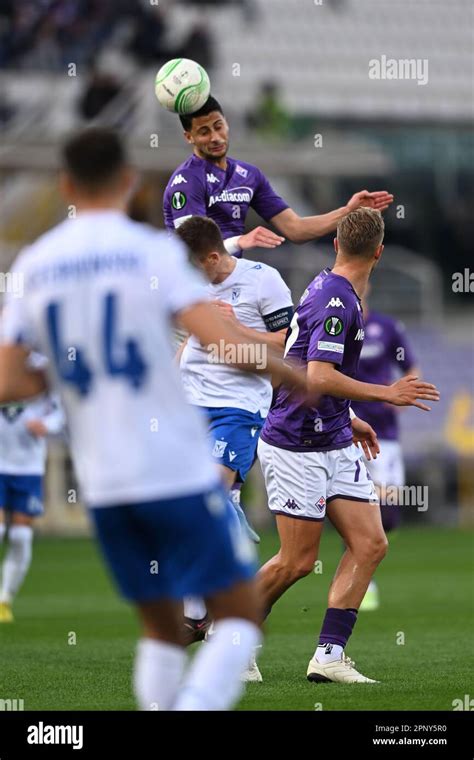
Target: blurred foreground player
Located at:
point(386, 349)
point(100, 296)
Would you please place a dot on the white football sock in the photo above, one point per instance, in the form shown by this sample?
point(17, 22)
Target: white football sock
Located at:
point(328, 652)
point(213, 679)
point(157, 673)
point(3, 530)
point(194, 608)
point(17, 560)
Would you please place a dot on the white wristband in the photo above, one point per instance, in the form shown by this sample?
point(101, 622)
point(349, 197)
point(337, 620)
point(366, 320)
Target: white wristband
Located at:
point(232, 244)
point(352, 414)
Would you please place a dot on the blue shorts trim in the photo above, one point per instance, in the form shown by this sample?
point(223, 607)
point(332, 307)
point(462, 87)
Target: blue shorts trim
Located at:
point(190, 546)
point(234, 437)
point(22, 493)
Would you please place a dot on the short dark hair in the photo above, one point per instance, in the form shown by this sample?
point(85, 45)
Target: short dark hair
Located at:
point(360, 232)
point(202, 236)
point(209, 106)
point(94, 157)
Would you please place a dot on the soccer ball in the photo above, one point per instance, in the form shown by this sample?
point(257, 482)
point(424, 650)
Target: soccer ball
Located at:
point(182, 86)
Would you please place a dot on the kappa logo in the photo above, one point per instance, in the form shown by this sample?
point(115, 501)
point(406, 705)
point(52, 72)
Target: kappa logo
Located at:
point(178, 180)
point(291, 504)
point(335, 303)
point(210, 177)
point(232, 455)
point(359, 334)
point(219, 448)
point(240, 170)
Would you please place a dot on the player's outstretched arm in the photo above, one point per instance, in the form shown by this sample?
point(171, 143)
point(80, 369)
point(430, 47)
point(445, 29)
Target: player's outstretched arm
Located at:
point(324, 378)
point(17, 381)
point(300, 229)
point(204, 321)
point(275, 339)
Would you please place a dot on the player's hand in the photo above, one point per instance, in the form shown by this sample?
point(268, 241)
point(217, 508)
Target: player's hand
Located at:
point(408, 389)
point(365, 435)
point(260, 237)
point(379, 200)
point(226, 311)
point(36, 428)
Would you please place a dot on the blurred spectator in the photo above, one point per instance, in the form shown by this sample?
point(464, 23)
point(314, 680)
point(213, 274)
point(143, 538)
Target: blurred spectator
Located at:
point(148, 34)
point(270, 117)
point(197, 45)
point(100, 90)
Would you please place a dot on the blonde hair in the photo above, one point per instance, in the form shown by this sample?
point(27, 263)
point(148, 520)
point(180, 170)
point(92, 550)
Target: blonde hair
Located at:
point(360, 232)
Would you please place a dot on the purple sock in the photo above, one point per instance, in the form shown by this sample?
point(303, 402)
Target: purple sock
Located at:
point(337, 626)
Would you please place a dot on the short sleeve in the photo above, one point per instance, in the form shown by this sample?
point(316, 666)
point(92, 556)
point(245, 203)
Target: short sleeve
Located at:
point(329, 330)
point(185, 196)
point(266, 202)
point(275, 301)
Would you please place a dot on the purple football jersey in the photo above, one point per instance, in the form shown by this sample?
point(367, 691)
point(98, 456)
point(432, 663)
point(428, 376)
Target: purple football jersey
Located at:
point(385, 348)
point(327, 326)
point(200, 188)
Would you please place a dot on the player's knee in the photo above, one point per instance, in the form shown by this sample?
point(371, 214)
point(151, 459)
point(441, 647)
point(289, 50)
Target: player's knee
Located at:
point(372, 550)
point(303, 566)
point(378, 548)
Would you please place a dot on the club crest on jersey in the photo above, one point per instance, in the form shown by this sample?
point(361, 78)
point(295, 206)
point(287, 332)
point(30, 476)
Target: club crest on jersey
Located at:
point(359, 334)
point(219, 448)
point(11, 412)
point(178, 180)
point(240, 170)
point(235, 295)
point(321, 504)
point(335, 303)
point(210, 177)
point(333, 326)
point(178, 200)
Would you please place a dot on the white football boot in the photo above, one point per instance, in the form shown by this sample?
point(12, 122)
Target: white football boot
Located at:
point(338, 671)
point(252, 673)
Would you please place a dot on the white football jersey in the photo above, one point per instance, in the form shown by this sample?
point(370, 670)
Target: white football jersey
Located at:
point(260, 299)
point(100, 292)
point(22, 453)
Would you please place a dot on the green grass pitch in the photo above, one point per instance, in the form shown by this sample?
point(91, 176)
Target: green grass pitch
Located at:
point(71, 646)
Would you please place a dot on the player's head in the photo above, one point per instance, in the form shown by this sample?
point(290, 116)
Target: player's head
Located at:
point(360, 236)
point(96, 169)
point(204, 241)
point(207, 130)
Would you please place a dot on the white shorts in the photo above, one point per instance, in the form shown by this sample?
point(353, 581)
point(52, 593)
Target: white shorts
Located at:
point(388, 469)
point(301, 483)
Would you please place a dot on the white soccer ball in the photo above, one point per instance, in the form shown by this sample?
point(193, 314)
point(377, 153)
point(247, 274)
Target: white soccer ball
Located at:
point(182, 85)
